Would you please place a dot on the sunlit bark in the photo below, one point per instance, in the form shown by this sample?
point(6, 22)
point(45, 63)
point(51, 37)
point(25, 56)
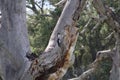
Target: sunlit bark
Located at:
point(57, 57)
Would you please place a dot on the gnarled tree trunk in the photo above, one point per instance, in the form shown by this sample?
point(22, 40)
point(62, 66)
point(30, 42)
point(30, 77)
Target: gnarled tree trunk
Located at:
point(53, 63)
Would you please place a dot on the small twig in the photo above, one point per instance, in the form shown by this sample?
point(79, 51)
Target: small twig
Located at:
point(38, 5)
point(85, 27)
point(84, 75)
point(104, 54)
point(61, 3)
point(95, 27)
point(110, 35)
point(99, 20)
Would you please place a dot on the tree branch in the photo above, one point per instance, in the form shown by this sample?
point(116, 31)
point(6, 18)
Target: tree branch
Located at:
point(86, 25)
point(61, 3)
point(84, 75)
point(57, 56)
point(104, 10)
point(33, 7)
point(110, 35)
point(99, 20)
point(100, 56)
point(114, 22)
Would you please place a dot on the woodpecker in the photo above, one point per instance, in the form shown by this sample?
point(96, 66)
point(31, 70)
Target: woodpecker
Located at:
point(59, 39)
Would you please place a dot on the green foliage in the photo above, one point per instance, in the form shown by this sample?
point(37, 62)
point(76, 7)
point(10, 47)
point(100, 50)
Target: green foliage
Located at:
point(53, 1)
point(40, 29)
point(103, 70)
point(86, 59)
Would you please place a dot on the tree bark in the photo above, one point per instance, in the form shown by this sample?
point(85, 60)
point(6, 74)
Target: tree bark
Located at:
point(14, 43)
point(13, 39)
point(53, 63)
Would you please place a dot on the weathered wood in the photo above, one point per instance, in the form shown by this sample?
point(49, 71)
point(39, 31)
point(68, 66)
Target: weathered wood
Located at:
point(114, 22)
point(58, 54)
point(106, 54)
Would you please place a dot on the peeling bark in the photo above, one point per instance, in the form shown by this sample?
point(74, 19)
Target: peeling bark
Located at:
point(53, 63)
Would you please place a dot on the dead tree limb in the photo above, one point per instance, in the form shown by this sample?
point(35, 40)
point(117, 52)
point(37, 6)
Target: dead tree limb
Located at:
point(53, 63)
point(84, 75)
point(86, 25)
point(99, 57)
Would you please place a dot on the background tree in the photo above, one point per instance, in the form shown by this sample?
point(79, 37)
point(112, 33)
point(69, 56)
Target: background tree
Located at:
point(13, 39)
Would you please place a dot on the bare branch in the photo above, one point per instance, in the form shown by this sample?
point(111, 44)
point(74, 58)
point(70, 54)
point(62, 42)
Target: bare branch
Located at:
point(99, 20)
point(103, 10)
point(104, 54)
point(38, 5)
point(110, 35)
point(33, 7)
point(85, 27)
point(95, 27)
point(100, 56)
point(57, 56)
point(61, 3)
point(100, 7)
point(84, 75)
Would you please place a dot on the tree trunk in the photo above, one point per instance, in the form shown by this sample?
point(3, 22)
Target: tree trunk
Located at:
point(53, 63)
point(115, 71)
point(14, 43)
point(13, 39)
